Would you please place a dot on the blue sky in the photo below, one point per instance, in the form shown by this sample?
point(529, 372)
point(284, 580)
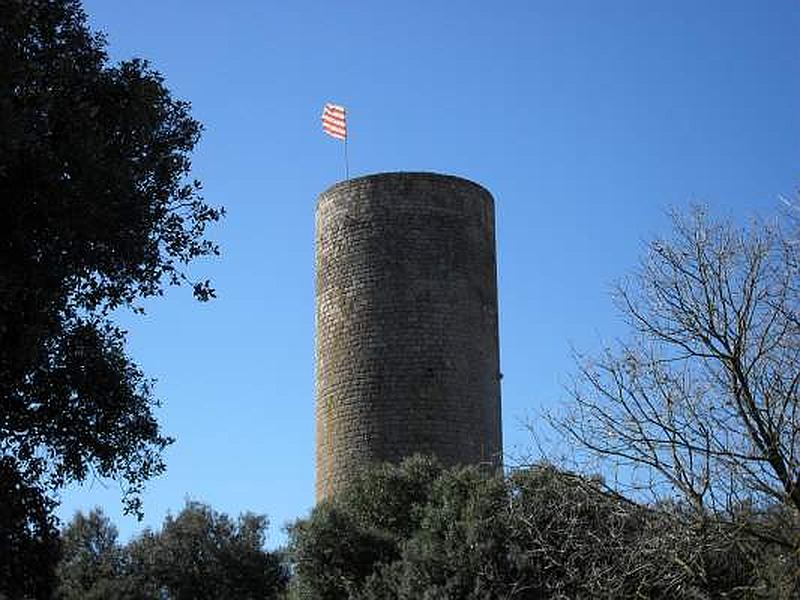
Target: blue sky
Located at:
point(586, 120)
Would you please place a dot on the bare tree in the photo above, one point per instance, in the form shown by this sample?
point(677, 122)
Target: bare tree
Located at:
point(703, 399)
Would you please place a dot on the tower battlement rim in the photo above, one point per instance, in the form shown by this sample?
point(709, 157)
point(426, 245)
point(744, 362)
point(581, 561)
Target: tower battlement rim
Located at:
point(384, 177)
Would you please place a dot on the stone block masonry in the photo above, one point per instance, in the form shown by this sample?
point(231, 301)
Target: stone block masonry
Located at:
point(407, 353)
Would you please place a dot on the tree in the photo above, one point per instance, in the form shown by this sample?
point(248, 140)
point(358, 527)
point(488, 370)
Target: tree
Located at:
point(536, 533)
point(29, 544)
point(340, 545)
point(702, 400)
point(96, 214)
point(92, 565)
point(202, 554)
point(198, 554)
point(544, 533)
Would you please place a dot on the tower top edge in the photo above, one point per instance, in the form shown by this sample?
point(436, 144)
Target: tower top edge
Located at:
point(391, 177)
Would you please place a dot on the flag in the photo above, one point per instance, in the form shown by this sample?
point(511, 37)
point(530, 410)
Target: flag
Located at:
point(333, 121)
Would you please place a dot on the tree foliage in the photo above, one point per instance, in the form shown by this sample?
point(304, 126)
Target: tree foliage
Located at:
point(339, 545)
point(199, 554)
point(95, 215)
point(29, 544)
point(202, 554)
point(537, 533)
point(92, 565)
point(702, 399)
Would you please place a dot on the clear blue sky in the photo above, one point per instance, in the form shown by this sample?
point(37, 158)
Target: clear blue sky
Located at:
point(586, 120)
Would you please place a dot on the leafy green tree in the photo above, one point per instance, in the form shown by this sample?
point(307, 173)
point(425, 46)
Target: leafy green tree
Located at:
point(92, 565)
point(339, 546)
point(334, 553)
point(536, 533)
point(459, 547)
point(96, 214)
point(201, 554)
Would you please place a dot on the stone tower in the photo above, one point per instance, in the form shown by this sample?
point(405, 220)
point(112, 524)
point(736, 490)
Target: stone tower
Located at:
point(406, 324)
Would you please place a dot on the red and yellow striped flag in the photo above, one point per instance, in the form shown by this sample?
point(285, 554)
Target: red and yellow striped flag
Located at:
point(333, 121)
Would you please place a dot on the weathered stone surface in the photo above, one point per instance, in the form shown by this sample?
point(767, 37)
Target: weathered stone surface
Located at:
point(406, 324)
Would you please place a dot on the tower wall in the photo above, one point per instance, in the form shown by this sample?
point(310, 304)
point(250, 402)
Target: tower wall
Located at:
point(406, 324)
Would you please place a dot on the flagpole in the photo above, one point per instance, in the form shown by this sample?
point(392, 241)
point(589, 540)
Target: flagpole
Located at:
point(346, 161)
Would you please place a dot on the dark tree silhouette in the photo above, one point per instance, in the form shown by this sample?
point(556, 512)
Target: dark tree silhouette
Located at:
point(29, 545)
point(95, 215)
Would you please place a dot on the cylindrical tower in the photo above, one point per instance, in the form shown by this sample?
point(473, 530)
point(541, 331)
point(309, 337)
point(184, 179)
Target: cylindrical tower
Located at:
point(406, 324)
